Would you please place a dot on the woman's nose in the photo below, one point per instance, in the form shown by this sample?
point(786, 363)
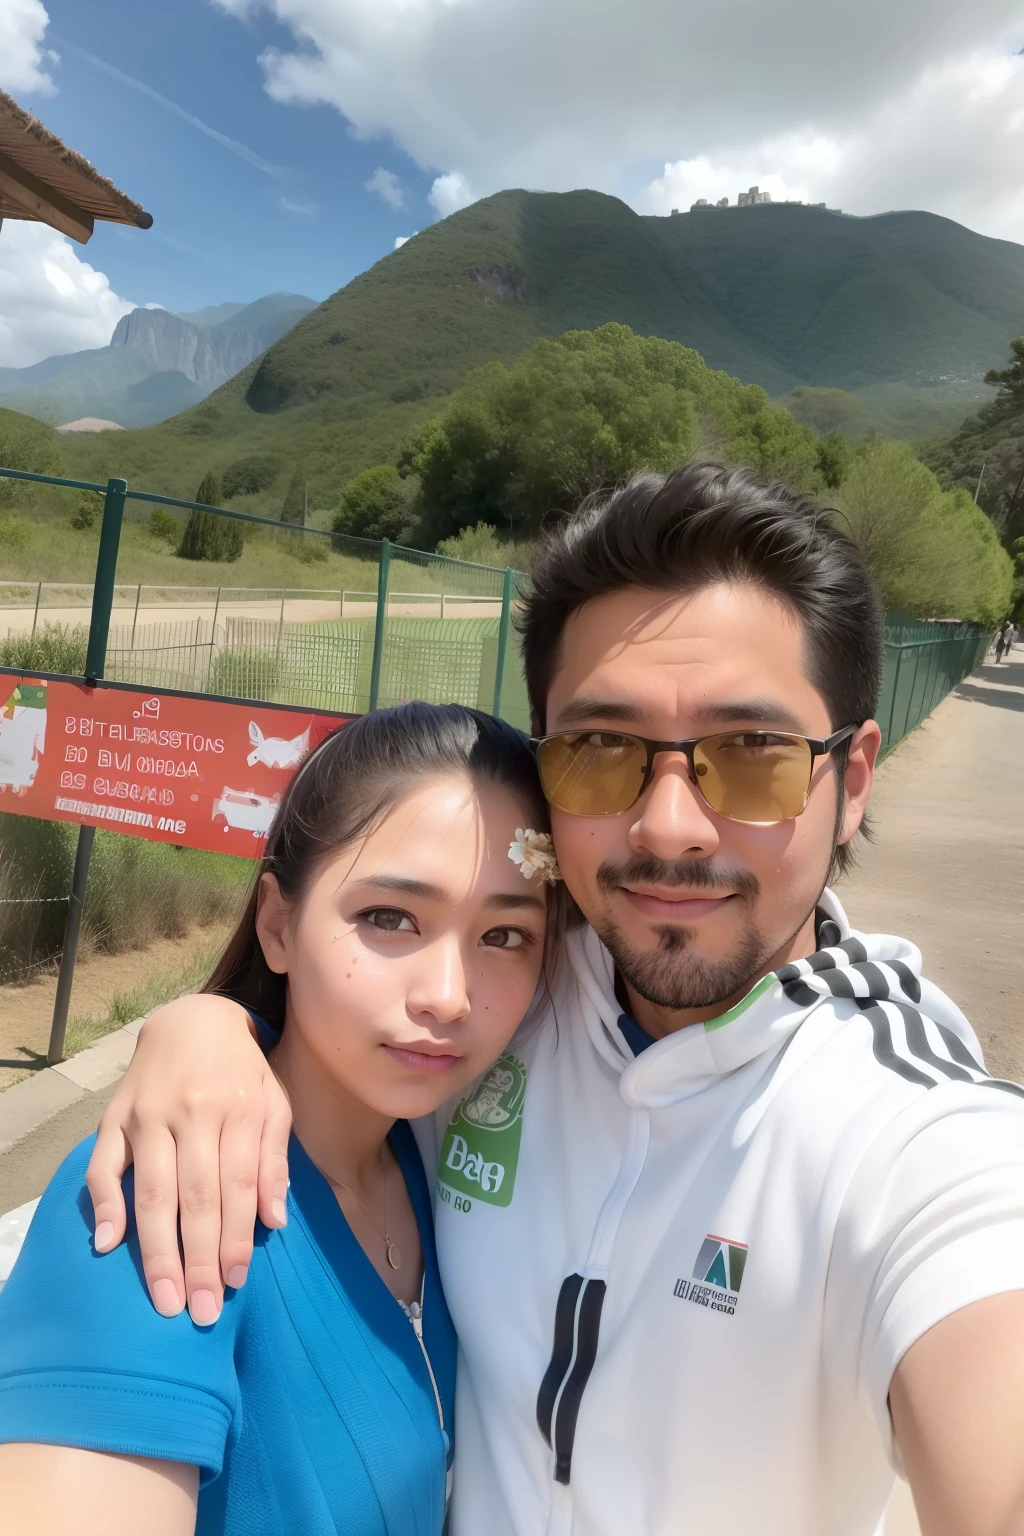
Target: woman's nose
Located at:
point(440, 988)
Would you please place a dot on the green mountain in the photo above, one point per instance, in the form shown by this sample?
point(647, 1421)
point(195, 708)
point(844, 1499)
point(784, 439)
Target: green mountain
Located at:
point(906, 310)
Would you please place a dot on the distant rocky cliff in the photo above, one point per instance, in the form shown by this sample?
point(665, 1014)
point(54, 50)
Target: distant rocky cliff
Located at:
point(205, 355)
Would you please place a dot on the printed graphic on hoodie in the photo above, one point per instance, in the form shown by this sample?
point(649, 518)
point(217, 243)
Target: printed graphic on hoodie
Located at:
point(480, 1151)
point(717, 1275)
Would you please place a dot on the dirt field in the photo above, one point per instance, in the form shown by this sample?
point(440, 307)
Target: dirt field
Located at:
point(26, 1012)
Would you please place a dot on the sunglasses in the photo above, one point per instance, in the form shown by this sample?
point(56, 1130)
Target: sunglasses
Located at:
point(756, 776)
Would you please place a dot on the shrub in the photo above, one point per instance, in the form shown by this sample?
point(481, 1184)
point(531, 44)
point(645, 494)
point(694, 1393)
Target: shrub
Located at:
point(374, 505)
point(57, 648)
point(162, 525)
point(250, 475)
point(88, 510)
point(246, 672)
point(14, 532)
point(482, 546)
point(138, 891)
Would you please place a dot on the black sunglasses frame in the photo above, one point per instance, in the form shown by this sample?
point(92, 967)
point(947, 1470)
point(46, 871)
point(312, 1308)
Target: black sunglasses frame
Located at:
point(820, 746)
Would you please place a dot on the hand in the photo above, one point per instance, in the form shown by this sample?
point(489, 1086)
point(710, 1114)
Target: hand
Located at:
point(206, 1123)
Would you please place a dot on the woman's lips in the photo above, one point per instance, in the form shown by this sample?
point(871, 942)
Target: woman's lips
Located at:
point(429, 1063)
point(675, 909)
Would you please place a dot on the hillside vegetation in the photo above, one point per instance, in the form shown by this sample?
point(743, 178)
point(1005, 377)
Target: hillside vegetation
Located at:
point(906, 309)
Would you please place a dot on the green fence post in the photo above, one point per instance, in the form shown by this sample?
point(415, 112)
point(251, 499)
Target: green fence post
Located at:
point(506, 615)
point(95, 661)
point(103, 587)
point(35, 612)
point(383, 576)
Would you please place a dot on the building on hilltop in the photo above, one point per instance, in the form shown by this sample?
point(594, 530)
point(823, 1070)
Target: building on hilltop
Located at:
point(755, 195)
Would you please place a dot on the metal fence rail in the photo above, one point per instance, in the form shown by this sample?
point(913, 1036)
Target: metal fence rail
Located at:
point(924, 660)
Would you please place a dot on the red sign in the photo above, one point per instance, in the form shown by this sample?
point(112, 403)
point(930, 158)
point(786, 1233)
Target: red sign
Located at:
point(202, 772)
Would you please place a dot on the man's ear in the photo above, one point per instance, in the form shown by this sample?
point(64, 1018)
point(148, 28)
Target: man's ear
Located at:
point(859, 776)
point(273, 914)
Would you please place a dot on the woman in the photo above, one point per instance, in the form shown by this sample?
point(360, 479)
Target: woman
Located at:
point(389, 949)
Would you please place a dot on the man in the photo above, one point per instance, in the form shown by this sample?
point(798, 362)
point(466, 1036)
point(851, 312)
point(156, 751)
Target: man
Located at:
point(759, 1230)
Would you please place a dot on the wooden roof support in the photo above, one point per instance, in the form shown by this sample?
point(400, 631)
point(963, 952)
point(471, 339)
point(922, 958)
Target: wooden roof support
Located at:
point(42, 203)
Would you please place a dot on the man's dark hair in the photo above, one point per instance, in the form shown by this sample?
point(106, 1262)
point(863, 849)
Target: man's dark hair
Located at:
point(706, 523)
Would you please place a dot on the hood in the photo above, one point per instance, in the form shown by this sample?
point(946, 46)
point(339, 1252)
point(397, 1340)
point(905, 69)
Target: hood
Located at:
point(858, 966)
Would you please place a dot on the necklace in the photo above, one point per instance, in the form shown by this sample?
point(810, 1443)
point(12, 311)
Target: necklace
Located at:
point(391, 1248)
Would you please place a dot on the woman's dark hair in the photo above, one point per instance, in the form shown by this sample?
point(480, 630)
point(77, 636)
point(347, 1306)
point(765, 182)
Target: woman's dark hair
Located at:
point(703, 524)
point(344, 787)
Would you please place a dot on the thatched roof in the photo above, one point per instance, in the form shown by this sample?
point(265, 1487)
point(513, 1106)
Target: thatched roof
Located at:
point(42, 180)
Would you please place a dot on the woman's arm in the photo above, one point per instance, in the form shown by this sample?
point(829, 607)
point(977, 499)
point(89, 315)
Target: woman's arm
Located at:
point(56, 1490)
point(206, 1123)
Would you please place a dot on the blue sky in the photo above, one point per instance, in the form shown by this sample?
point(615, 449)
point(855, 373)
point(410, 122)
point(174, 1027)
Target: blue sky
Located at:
point(443, 101)
point(223, 228)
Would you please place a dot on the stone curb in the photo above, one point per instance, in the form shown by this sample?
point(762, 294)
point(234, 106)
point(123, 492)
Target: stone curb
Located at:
point(29, 1104)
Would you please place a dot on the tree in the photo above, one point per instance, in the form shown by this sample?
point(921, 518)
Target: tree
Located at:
point(250, 475)
point(374, 505)
point(89, 508)
point(834, 459)
point(519, 444)
point(934, 554)
point(207, 536)
point(162, 525)
point(1009, 381)
point(294, 509)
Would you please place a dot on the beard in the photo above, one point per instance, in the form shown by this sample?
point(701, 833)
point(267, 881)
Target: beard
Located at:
point(673, 975)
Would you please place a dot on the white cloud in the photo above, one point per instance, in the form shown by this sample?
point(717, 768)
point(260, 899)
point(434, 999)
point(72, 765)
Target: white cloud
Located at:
point(23, 59)
point(557, 94)
point(387, 187)
point(450, 193)
point(50, 300)
point(308, 209)
point(404, 239)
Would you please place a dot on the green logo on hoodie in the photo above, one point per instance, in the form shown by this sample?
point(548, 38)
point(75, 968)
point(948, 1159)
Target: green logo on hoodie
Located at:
point(480, 1151)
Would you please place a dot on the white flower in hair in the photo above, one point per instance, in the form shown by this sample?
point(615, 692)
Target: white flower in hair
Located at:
point(536, 853)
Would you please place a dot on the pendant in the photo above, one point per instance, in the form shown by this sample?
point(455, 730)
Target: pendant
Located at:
point(394, 1254)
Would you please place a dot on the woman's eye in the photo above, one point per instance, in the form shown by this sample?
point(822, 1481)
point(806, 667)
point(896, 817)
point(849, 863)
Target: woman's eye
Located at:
point(504, 938)
point(389, 920)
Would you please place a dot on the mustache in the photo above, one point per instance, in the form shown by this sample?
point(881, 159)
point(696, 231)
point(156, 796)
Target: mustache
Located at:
point(694, 874)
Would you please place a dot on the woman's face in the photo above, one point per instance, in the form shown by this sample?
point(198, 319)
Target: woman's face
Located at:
point(416, 950)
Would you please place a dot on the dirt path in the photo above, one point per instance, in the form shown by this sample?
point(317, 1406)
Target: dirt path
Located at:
point(946, 869)
point(25, 1012)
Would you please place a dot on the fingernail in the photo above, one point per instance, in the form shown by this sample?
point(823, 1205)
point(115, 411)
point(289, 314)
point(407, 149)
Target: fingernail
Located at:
point(280, 1214)
point(236, 1275)
point(203, 1308)
point(104, 1236)
point(165, 1297)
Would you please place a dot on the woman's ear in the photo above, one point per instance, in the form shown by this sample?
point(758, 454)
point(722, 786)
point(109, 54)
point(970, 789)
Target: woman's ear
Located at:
point(273, 914)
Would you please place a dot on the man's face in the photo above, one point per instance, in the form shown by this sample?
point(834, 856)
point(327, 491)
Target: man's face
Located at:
point(695, 907)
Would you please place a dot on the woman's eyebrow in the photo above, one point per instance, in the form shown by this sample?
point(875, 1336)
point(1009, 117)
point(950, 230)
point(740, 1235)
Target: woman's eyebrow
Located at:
point(404, 885)
point(508, 901)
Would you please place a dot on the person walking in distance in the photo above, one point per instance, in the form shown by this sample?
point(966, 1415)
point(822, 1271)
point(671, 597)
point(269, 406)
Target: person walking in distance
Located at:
point(759, 1235)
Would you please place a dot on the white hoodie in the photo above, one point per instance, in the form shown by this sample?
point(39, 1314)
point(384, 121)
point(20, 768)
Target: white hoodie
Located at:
point(682, 1282)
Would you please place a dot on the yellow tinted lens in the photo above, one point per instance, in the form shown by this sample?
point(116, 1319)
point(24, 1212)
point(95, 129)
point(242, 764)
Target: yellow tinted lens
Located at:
point(753, 776)
point(591, 773)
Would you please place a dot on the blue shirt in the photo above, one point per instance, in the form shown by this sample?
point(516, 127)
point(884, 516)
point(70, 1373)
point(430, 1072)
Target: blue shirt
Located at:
point(308, 1407)
point(635, 1036)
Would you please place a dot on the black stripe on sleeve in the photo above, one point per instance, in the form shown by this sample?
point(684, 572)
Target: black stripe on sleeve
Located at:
point(908, 981)
point(587, 1332)
point(561, 1352)
point(855, 949)
point(956, 1048)
point(883, 1049)
point(800, 993)
point(917, 1042)
point(878, 986)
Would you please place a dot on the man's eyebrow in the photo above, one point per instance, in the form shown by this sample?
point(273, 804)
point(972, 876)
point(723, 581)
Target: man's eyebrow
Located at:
point(764, 711)
point(584, 711)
